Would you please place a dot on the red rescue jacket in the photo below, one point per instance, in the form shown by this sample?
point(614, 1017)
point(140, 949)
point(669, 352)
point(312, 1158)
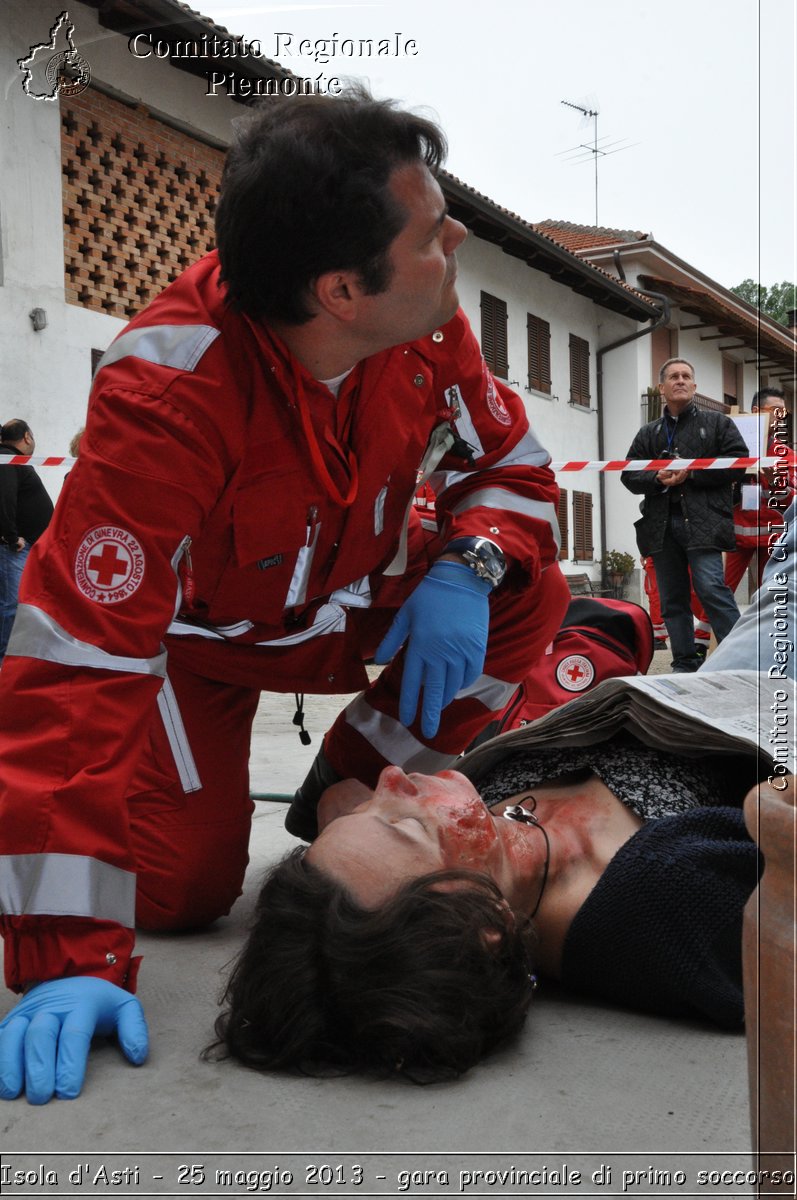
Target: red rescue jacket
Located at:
point(222, 495)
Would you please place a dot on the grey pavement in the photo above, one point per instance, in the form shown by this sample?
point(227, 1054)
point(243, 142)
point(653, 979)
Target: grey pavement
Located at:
point(584, 1085)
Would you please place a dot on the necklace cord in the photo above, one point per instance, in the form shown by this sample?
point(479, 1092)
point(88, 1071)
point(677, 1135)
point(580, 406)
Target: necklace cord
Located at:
point(518, 812)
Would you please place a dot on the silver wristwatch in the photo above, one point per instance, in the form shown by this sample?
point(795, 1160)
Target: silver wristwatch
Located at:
point(482, 556)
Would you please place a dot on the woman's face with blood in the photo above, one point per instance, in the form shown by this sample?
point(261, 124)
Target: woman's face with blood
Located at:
point(410, 825)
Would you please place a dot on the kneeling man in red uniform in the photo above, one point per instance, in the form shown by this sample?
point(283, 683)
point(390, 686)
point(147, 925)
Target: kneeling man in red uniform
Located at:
point(241, 518)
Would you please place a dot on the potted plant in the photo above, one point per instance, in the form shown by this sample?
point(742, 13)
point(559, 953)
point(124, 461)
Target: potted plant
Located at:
point(617, 566)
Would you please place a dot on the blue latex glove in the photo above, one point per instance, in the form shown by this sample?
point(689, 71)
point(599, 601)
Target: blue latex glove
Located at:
point(446, 620)
point(45, 1040)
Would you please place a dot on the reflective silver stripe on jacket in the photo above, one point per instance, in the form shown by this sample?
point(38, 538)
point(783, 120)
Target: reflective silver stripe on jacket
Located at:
point(178, 346)
point(757, 531)
point(37, 635)
point(440, 441)
point(527, 453)
point(493, 693)
point(66, 885)
point(180, 628)
point(330, 618)
point(507, 501)
point(393, 740)
point(178, 738)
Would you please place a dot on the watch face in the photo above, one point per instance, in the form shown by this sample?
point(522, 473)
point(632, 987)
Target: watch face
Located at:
point(482, 556)
point(486, 562)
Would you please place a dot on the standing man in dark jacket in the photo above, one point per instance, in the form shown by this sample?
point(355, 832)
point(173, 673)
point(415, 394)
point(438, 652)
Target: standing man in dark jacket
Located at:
point(25, 511)
point(687, 516)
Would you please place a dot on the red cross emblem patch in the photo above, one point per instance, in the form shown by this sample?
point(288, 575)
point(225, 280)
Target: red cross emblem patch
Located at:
point(109, 564)
point(575, 673)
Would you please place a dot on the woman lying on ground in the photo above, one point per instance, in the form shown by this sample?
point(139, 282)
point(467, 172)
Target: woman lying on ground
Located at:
point(408, 937)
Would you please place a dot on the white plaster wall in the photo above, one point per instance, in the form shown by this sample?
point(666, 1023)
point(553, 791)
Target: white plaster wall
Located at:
point(45, 377)
point(567, 431)
point(623, 372)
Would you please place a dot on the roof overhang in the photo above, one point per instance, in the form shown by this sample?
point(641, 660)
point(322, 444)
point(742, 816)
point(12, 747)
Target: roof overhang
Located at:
point(518, 238)
point(175, 24)
point(746, 331)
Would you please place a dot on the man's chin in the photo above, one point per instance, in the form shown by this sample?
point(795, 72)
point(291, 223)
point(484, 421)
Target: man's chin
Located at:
point(451, 308)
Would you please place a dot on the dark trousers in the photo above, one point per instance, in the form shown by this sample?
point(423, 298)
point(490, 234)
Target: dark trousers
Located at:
point(673, 564)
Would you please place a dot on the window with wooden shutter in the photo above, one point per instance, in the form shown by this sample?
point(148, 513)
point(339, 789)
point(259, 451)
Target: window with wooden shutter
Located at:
point(538, 333)
point(579, 371)
point(730, 381)
point(494, 334)
point(582, 526)
point(562, 515)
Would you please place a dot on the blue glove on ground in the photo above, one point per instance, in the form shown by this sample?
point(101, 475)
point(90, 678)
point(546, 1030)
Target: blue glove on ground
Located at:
point(446, 620)
point(45, 1040)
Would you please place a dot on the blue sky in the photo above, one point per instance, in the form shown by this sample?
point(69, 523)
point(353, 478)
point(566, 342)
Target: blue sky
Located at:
point(696, 102)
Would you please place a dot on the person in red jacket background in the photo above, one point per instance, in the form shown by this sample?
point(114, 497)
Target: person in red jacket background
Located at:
point(241, 518)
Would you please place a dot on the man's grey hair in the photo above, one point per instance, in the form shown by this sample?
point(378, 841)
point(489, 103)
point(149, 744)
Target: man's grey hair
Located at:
point(669, 363)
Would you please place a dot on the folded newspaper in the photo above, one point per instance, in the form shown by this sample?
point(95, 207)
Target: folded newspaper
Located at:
point(695, 714)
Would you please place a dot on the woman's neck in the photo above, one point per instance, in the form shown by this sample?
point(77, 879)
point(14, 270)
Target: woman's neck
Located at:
point(585, 825)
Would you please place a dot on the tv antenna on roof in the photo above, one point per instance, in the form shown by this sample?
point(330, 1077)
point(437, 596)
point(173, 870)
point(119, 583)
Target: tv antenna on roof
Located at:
point(589, 111)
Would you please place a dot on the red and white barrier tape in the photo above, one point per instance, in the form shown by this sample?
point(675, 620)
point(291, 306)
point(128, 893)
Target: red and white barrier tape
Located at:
point(36, 460)
point(669, 464)
point(619, 464)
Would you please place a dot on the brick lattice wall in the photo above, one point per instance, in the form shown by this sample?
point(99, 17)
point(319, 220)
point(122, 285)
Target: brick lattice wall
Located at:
point(138, 201)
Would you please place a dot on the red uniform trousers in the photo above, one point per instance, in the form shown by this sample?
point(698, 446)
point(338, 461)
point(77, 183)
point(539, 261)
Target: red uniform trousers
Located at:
point(654, 605)
point(654, 600)
point(191, 847)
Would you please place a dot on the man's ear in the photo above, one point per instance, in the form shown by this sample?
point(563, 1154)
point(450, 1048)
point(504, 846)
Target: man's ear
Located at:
point(337, 293)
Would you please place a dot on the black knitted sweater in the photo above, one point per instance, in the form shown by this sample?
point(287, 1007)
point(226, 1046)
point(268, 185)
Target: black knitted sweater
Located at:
point(662, 928)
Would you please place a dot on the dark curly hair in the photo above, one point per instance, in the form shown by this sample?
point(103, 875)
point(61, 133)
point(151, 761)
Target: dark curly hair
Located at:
point(424, 985)
point(305, 190)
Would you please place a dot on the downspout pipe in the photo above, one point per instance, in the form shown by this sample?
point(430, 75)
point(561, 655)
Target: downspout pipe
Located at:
point(663, 319)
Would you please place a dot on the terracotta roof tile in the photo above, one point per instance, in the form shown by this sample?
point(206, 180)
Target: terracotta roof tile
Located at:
point(541, 229)
point(583, 237)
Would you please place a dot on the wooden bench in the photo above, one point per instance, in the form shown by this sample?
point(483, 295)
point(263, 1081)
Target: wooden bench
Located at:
point(582, 585)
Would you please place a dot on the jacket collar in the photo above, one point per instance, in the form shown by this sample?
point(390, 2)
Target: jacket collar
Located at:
point(689, 411)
